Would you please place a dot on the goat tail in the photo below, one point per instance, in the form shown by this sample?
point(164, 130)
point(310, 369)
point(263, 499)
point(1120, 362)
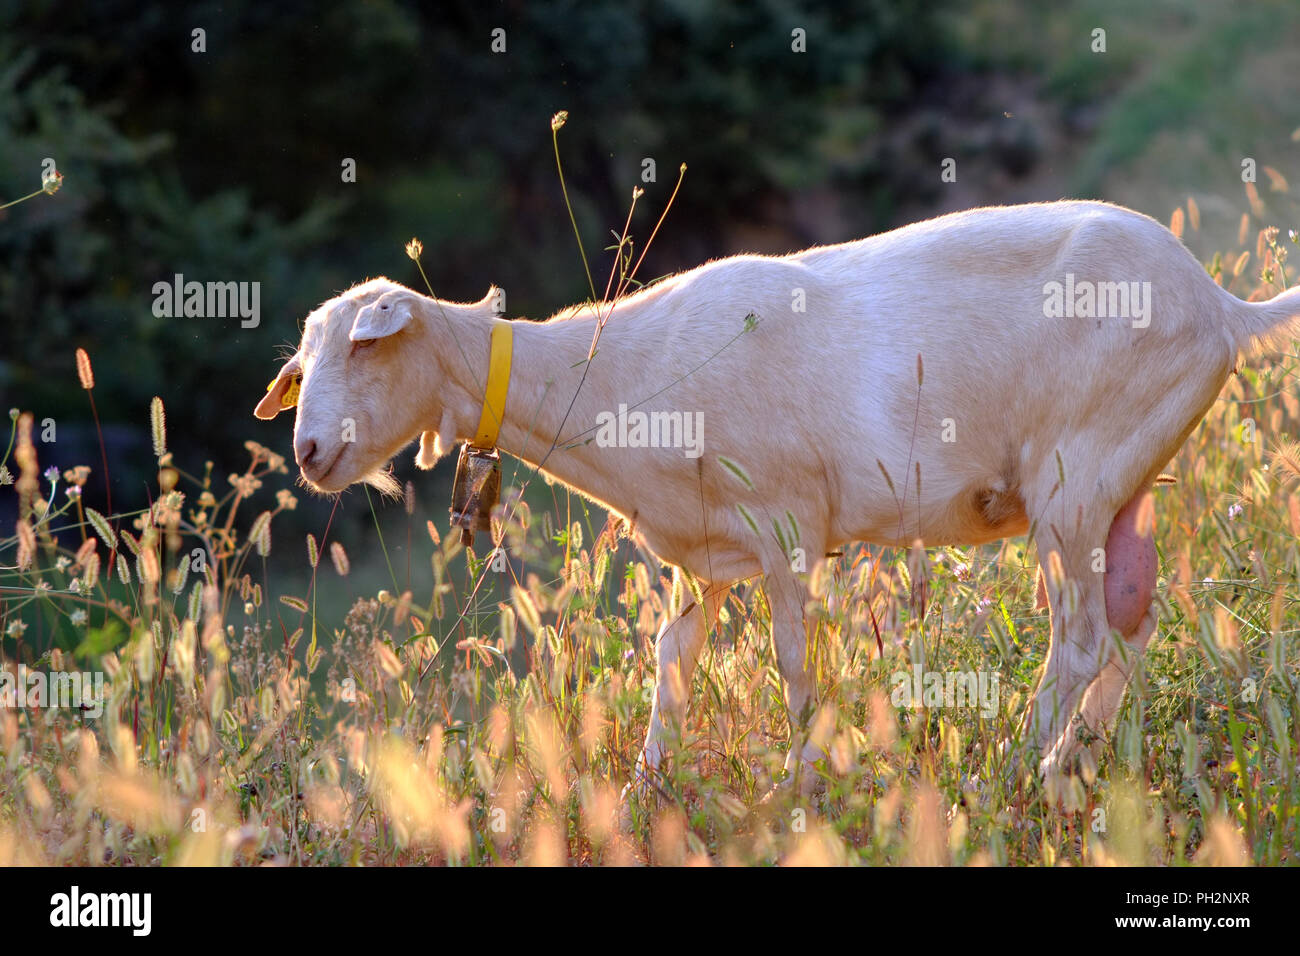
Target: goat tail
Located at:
point(1267, 326)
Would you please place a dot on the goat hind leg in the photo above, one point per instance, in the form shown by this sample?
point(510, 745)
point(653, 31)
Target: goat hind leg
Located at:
point(1077, 650)
point(786, 596)
point(1131, 568)
point(1101, 701)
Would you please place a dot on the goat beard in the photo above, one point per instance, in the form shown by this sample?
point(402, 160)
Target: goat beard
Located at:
point(384, 482)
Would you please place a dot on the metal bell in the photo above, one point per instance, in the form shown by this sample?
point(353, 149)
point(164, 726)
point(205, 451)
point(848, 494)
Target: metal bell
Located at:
point(476, 491)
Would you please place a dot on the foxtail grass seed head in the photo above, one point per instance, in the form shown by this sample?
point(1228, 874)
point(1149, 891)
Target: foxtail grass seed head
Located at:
point(84, 371)
point(558, 120)
point(158, 424)
point(148, 566)
point(340, 559)
point(102, 528)
point(261, 534)
point(415, 249)
point(313, 556)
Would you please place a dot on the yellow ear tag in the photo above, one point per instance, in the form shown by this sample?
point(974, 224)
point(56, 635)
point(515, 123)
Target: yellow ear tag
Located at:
point(290, 396)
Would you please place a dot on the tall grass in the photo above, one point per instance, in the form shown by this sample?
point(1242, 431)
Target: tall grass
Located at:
point(494, 718)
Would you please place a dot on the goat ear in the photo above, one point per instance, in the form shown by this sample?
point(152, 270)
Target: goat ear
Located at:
point(494, 301)
point(381, 319)
point(270, 405)
point(282, 393)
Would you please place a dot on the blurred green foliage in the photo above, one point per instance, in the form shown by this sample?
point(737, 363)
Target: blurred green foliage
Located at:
point(226, 165)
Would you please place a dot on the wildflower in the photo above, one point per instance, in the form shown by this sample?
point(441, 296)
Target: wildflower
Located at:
point(73, 491)
point(78, 617)
point(51, 180)
point(6, 477)
point(15, 629)
point(285, 499)
point(167, 509)
point(75, 585)
point(245, 485)
point(1234, 512)
point(52, 474)
point(62, 562)
point(415, 249)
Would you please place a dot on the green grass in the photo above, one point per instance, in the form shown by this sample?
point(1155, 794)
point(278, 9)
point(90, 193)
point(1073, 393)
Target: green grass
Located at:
point(490, 718)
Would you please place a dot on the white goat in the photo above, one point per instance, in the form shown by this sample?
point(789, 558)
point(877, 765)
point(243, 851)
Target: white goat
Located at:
point(1068, 349)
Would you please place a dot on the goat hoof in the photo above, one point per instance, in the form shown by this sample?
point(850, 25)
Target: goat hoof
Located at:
point(1013, 763)
point(806, 785)
point(975, 791)
point(643, 788)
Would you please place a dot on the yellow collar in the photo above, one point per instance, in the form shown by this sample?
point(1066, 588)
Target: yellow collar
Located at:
point(498, 384)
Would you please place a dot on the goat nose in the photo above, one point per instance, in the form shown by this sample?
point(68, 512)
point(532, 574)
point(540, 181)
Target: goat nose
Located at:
point(305, 451)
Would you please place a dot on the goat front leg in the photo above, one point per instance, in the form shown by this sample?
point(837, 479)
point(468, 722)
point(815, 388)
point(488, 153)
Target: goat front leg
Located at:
point(677, 650)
